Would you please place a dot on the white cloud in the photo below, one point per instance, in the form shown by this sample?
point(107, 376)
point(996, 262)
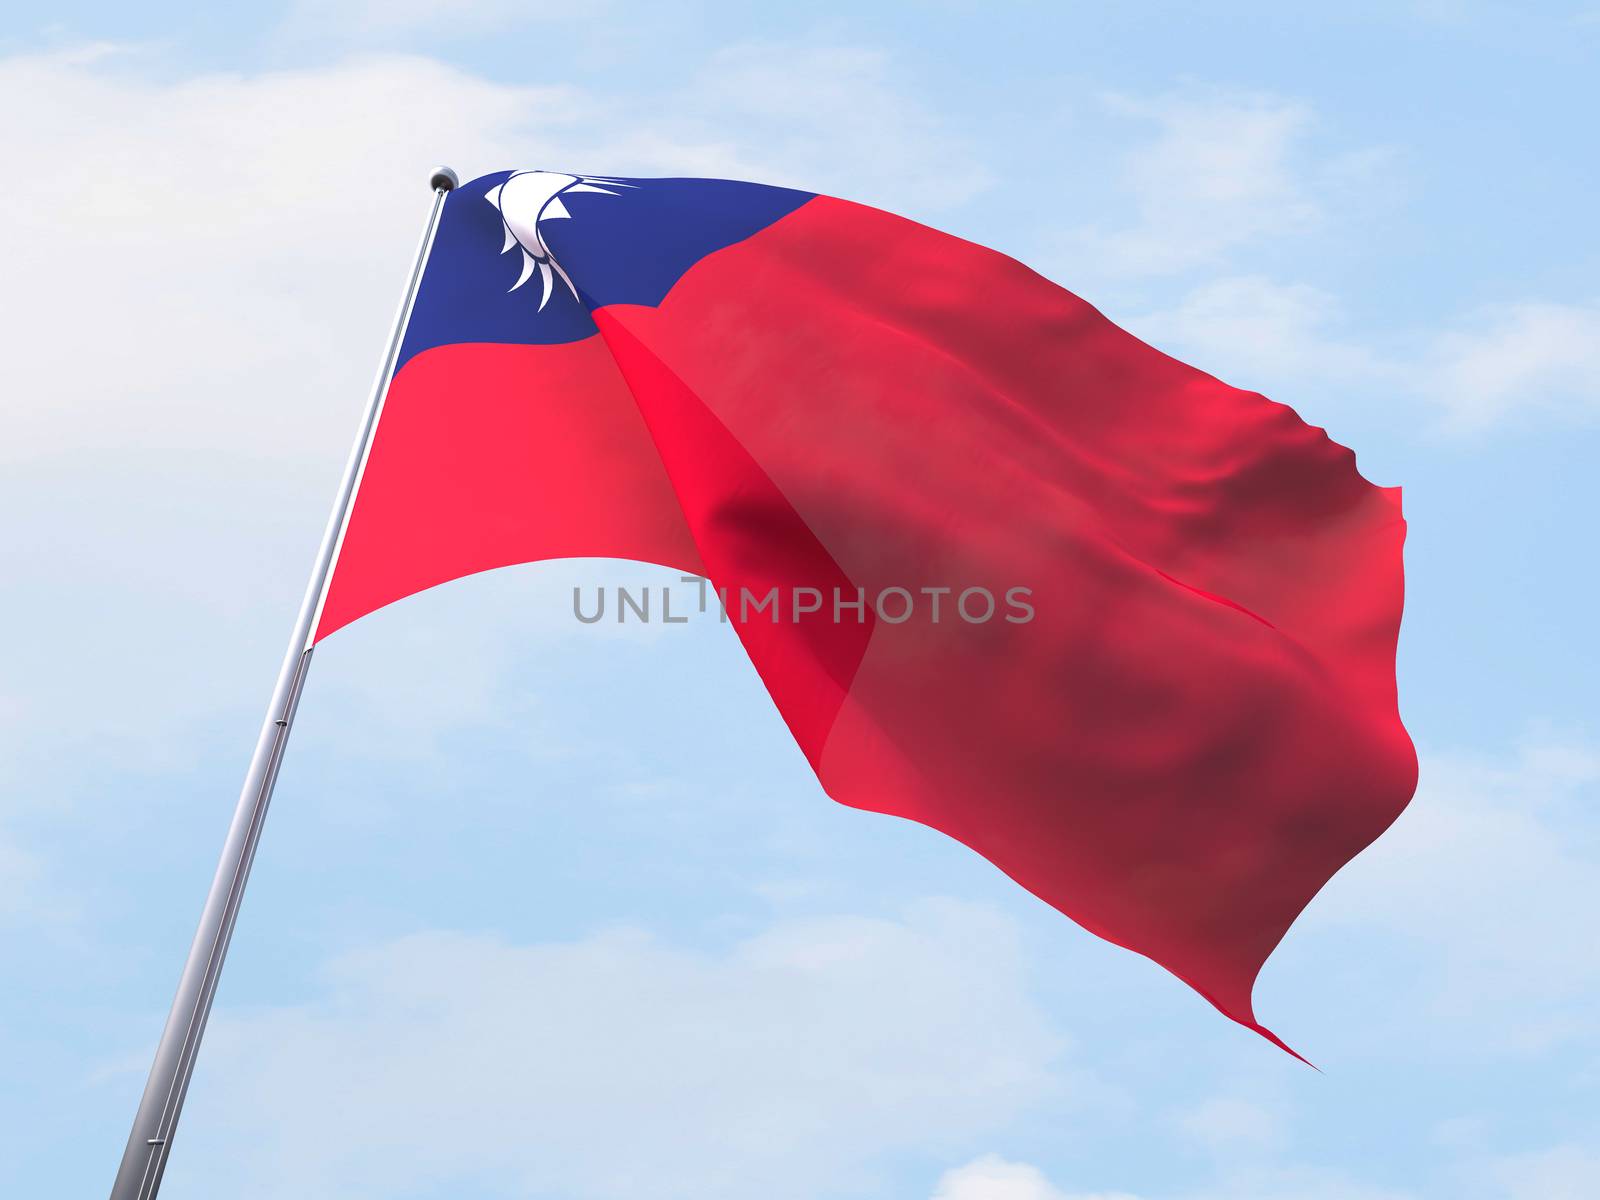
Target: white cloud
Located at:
point(377, 18)
point(1256, 332)
point(1289, 341)
point(1527, 359)
point(1294, 1183)
point(994, 1178)
point(1562, 1173)
point(1508, 366)
point(210, 262)
point(881, 145)
point(619, 1066)
point(1229, 1124)
point(1223, 171)
point(1488, 877)
point(1223, 175)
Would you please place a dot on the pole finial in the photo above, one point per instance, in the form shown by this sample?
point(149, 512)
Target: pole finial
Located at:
point(444, 180)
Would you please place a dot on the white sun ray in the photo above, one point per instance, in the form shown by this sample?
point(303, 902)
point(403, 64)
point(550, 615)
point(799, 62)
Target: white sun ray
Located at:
point(528, 264)
point(529, 198)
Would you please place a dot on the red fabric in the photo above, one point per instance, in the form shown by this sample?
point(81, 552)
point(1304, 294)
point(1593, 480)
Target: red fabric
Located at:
point(486, 456)
point(1199, 725)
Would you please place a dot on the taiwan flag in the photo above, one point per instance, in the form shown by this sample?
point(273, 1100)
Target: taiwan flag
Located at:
point(1125, 631)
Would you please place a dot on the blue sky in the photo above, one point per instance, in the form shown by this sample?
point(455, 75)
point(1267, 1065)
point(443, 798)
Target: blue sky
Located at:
point(551, 910)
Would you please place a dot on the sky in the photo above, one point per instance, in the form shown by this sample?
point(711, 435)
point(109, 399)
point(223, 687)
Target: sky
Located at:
point(552, 910)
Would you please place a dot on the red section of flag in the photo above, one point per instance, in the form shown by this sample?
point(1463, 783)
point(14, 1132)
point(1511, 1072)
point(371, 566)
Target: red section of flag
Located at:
point(1198, 725)
point(486, 456)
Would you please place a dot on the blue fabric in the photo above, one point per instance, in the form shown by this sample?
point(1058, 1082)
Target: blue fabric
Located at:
point(626, 248)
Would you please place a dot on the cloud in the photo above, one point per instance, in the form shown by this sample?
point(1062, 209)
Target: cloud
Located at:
point(1218, 178)
point(1255, 331)
point(1223, 171)
point(1532, 359)
point(1229, 1124)
point(880, 146)
point(380, 18)
point(1294, 1183)
point(787, 1065)
point(1506, 366)
point(1487, 879)
point(1561, 1173)
point(197, 260)
point(993, 1178)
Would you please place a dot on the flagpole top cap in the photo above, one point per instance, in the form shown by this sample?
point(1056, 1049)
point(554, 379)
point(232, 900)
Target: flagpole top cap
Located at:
point(444, 180)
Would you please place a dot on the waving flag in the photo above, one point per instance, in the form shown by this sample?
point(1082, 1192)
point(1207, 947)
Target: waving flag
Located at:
point(1127, 632)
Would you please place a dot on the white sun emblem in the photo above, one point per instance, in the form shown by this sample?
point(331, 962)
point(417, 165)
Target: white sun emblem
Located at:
point(526, 200)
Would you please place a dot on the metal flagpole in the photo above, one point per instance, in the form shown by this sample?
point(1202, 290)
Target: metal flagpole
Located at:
point(144, 1160)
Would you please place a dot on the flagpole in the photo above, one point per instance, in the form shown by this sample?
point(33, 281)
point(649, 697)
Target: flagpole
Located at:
point(145, 1159)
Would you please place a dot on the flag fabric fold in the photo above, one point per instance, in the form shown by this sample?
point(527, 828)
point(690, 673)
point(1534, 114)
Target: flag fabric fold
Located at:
point(1124, 630)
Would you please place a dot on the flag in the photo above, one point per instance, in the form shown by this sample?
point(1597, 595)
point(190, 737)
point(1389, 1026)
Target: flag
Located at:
point(1004, 569)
